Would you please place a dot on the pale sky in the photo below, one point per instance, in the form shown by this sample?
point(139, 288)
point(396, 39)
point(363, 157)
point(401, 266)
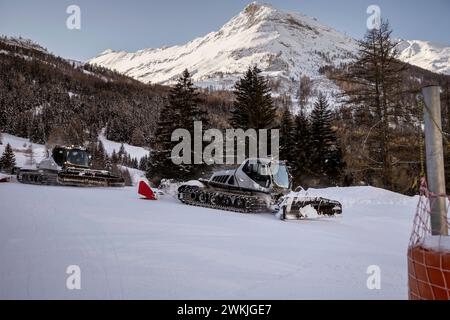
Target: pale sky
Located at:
point(132, 25)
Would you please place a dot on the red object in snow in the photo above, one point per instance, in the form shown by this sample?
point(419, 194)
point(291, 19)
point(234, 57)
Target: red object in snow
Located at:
point(146, 191)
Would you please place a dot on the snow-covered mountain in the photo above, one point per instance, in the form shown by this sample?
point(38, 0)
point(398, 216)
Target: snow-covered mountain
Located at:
point(427, 55)
point(284, 45)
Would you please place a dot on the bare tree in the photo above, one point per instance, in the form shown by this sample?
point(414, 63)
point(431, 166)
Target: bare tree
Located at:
point(376, 76)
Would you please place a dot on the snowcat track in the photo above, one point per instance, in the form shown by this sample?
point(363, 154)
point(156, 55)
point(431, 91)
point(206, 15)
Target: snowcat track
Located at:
point(38, 178)
point(190, 195)
point(64, 179)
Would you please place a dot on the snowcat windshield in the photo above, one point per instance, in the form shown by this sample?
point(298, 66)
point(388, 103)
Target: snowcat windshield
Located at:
point(258, 172)
point(78, 158)
point(280, 175)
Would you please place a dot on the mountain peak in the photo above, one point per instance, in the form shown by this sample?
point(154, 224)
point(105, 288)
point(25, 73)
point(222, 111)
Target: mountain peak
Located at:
point(285, 45)
point(255, 6)
point(253, 14)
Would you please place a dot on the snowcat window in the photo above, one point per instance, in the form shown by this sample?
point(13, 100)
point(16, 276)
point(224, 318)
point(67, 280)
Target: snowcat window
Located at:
point(78, 157)
point(281, 177)
point(257, 172)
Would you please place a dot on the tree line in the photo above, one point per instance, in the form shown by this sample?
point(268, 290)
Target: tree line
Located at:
point(309, 144)
point(373, 138)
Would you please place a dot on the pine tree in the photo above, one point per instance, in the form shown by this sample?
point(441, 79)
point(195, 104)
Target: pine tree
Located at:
point(286, 136)
point(143, 163)
point(137, 138)
point(135, 163)
point(253, 107)
point(74, 133)
point(181, 111)
point(326, 154)
point(122, 154)
point(7, 160)
point(301, 150)
point(37, 131)
point(98, 155)
point(114, 157)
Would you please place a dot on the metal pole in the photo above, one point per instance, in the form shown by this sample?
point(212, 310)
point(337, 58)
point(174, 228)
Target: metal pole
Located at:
point(435, 158)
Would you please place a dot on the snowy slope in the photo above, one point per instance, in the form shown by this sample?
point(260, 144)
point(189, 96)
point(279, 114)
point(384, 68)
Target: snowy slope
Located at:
point(27, 154)
point(110, 146)
point(21, 148)
point(427, 55)
point(132, 248)
point(285, 45)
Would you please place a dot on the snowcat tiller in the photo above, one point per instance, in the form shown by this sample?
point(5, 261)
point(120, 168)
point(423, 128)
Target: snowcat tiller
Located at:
point(303, 207)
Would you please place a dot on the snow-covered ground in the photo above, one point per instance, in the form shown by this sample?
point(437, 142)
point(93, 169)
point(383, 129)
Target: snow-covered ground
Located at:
point(110, 146)
point(127, 247)
point(26, 153)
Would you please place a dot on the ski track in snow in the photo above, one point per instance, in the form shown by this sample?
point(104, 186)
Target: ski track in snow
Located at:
point(128, 248)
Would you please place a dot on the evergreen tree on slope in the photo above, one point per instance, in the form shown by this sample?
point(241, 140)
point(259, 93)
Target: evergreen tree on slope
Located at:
point(180, 112)
point(326, 157)
point(301, 150)
point(7, 160)
point(286, 136)
point(253, 107)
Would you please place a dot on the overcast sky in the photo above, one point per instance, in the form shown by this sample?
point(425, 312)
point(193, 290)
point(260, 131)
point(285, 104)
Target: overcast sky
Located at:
point(132, 25)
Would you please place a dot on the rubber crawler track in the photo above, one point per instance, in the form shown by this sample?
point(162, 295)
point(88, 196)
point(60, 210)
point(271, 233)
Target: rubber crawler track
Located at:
point(250, 204)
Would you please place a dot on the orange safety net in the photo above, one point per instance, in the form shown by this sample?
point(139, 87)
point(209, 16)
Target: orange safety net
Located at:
point(428, 266)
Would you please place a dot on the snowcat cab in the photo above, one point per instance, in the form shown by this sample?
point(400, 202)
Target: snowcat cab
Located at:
point(71, 157)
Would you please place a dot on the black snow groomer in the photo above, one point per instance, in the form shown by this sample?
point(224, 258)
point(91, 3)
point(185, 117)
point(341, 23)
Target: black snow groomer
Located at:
point(257, 185)
point(69, 166)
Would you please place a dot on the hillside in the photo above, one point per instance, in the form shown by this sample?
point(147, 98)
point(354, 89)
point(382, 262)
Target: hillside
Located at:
point(48, 98)
point(45, 97)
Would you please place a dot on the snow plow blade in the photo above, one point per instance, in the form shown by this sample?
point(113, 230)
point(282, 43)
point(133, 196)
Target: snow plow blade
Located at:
point(89, 179)
point(300, 207)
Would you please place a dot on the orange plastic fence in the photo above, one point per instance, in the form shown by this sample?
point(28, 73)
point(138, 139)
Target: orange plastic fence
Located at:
point(428, 268)
point(428, 274)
